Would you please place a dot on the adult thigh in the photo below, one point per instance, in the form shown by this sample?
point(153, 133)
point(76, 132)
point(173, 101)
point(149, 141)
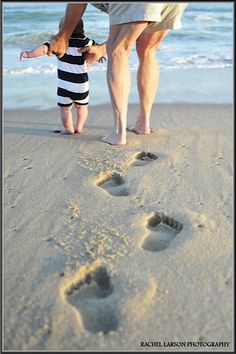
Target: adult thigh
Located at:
point(123, 36)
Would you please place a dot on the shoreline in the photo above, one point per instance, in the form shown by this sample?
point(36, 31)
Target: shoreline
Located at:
point(104, 105)
point(175, 86)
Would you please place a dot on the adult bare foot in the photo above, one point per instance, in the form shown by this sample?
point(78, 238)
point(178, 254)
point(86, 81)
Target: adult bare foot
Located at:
point(139, 129)
point(114, 139)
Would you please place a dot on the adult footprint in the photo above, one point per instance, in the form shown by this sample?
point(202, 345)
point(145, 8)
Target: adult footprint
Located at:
point(144, 157)
point(163, 230)
point(114, 184)
point(91, 298)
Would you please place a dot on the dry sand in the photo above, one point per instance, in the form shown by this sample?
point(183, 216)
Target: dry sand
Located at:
point(106, 247)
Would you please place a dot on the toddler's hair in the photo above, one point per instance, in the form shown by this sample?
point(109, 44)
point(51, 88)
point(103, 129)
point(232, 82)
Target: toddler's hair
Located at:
point(79, 29)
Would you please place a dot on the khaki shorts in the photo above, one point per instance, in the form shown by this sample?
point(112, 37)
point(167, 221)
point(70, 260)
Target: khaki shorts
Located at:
point(161, 15)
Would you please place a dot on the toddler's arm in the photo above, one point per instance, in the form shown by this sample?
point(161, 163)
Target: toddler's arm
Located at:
point(34, 53)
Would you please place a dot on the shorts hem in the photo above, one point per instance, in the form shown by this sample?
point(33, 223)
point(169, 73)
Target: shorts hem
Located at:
point(134, 18)
point(81, 104)
point(155, 27)
point(64, 104)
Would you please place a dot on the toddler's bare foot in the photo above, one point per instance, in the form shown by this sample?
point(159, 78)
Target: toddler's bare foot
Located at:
point(78, 130)
point(68, 125)
point(67, 132)
point(64, 132)
point(114, 139)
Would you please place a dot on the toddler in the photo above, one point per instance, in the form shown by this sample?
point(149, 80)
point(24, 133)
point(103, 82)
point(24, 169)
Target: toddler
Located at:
point(73, 83)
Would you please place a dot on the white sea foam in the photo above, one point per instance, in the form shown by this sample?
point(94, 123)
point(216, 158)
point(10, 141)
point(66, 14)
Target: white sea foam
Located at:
point(207, 18)
point(182, 62)
point(50, 69)
point(199, 61)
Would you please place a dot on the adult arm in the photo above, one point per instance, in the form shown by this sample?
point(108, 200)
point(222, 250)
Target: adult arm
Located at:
point(59, 42)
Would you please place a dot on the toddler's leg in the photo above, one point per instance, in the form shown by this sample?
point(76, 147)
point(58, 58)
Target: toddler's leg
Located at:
point(67, 121)
point(82, 113)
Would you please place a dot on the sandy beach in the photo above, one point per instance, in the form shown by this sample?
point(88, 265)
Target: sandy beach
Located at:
point(109, 248)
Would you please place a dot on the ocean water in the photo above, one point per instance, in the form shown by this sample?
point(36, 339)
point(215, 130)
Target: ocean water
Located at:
point(195, 61)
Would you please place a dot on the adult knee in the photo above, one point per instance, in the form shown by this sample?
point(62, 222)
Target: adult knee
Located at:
point(147, 43)
point(145, 51)
point(118, 50)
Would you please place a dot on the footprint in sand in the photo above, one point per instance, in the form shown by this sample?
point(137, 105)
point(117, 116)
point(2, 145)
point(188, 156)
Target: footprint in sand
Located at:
point(91, 298)
point(114, 184)
point(144, 157)
point(163, 230)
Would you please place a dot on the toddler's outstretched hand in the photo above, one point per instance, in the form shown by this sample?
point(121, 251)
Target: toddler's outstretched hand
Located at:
point(23, 54)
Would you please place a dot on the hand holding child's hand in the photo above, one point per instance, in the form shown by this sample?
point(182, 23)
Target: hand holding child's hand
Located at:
point(58, 45)
point(92, 53)
point(23, 54)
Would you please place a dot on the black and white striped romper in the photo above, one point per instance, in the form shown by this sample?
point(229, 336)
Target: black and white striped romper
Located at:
point(73, 83)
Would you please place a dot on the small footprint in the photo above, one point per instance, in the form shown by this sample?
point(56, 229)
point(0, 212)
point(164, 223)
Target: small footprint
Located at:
point(142, 158)
point(90, 298)
point(113, 184)
point(163, 230)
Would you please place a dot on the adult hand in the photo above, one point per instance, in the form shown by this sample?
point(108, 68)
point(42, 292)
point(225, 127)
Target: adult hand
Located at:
point(58, 45)
point(92, 53)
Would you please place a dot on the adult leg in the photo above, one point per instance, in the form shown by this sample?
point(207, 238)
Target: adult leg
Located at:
point(147, 76)
point(66, 118)
point(82, 114)
point(121, 38)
